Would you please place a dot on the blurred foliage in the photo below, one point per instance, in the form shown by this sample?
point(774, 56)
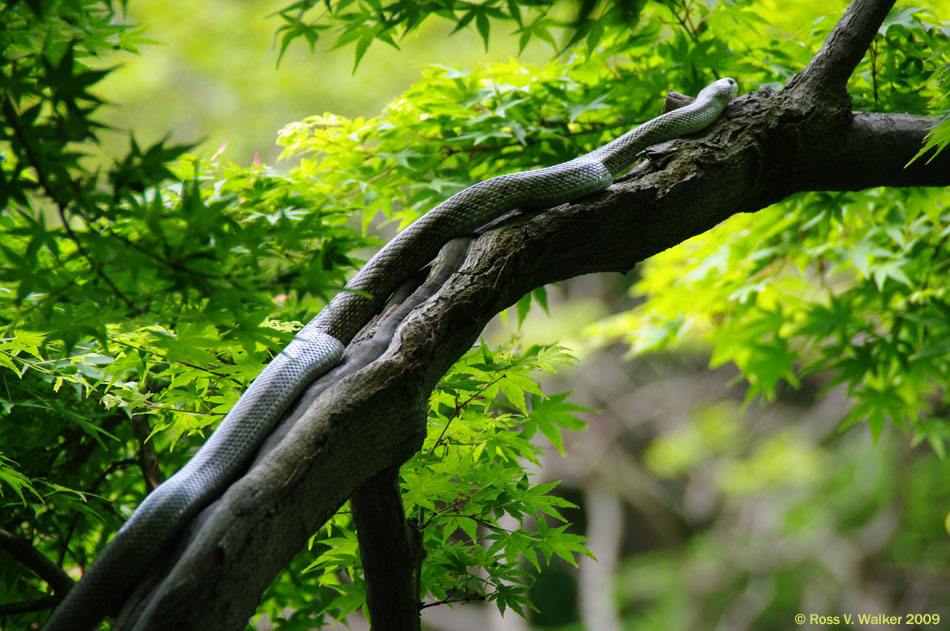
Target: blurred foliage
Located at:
point(799, 522)
point(212, 75)
point(150, 289)
point(939, 138)
point(843, 284)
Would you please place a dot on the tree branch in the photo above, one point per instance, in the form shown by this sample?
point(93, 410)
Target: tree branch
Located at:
point(873, 151)
point(391, 551)
point(828, 72)
point(147, 458)
point(21, 551)
point(318, 432)
point(365, 417)
point(26, 606)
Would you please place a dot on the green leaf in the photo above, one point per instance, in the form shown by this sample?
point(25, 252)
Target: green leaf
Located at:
point(550, 414)
point(361, 47)
point(483, 26)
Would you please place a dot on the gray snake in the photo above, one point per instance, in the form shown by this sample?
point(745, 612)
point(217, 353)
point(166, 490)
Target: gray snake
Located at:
point(319, 346)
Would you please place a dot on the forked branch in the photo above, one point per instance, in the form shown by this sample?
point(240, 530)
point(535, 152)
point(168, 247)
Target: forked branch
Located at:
point(827, 74)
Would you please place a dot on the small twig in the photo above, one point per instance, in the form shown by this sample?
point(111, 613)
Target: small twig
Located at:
point(95, 266)
point(118, 464)
point(458, 409)
point(873, 50)
point(147, 457)
point(468, 598)
point(22, 551)
point(26, 606)
point(155, 406)
point(176, 362)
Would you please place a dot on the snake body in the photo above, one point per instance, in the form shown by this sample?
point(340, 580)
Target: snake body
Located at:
point(319, 346)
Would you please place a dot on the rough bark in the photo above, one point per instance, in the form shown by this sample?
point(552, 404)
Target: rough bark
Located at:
point(367, 416)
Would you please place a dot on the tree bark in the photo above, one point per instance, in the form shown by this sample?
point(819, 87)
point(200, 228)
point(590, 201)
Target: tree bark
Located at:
point(355, 426)
point(391, 552)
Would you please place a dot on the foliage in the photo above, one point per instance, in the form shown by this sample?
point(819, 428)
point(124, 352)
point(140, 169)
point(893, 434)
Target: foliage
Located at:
point(464, 490)
point(367, 21)
point(837, 283)
point(939, 138)
point(456, 126)
point(844, 283)
point(909, 66)
point(149, 293)
point(125, 304)
point(213, 77)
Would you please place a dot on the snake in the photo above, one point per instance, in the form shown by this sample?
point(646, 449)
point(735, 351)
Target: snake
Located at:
point(320, 344)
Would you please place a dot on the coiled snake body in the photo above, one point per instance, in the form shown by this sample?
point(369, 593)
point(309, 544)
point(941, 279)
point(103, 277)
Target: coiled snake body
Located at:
point(319, 346)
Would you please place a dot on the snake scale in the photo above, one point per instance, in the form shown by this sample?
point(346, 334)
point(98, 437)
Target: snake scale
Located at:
point(319, 346)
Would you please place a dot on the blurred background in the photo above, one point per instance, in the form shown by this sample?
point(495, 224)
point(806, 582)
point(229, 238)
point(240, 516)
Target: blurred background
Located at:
point(212, 75)
point(702, 512)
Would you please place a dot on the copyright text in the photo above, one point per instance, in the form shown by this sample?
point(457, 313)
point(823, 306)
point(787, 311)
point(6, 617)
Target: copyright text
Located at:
point(911, 619)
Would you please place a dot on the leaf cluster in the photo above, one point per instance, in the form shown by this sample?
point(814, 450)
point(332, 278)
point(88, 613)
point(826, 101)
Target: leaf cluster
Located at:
point(848, 285)
point(136, 292)
point(457, 126)
point(365, 22)
point(843, 284)
point(485, 527)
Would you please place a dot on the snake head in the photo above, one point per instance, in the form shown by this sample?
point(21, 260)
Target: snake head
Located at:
point(727, 86)
point(723, 91)
point(730, 84)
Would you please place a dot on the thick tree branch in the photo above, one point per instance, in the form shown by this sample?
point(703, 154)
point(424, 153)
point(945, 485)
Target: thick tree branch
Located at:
point(26, 606)
point(300, 444)
point(873, 151)
point(828, 72)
